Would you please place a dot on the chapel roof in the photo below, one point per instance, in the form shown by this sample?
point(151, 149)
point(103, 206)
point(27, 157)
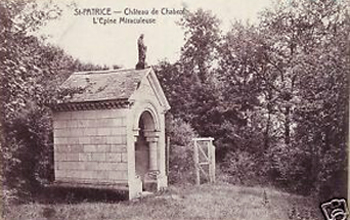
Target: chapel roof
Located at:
point(105, 85)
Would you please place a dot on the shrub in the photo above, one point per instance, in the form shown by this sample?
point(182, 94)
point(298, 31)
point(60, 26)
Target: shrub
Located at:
point(181, 150)
point(243, 168)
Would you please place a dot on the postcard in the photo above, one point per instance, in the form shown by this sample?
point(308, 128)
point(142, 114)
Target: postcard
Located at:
point(174, 109)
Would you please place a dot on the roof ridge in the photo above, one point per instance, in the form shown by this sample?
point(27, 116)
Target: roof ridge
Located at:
point(108, 71)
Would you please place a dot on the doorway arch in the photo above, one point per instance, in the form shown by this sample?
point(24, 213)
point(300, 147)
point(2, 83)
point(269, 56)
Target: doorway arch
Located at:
point(146, 148)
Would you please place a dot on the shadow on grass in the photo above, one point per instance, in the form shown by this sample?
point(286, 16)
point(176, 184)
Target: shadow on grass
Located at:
point(67, 195)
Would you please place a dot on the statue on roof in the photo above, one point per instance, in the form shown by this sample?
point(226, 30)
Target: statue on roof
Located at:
point(142, 49)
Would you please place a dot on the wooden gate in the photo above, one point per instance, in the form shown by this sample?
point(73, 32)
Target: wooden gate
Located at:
point(204, 159)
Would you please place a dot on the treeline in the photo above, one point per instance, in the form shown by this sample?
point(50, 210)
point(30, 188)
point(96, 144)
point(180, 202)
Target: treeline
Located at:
point(30, 72)
point(273, 95)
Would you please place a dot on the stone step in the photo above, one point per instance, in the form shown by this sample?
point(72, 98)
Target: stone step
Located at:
point(146, 193)
point(150, 186)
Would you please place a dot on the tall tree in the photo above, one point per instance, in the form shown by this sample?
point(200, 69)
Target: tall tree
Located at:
point(240, 61)
point(30, 72)
point(202, 36)
point(306, 53)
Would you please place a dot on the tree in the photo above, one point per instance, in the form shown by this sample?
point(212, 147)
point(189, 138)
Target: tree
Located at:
point(30, 73)
point(240, 61)
point(287, 79)
point(307, 70)
point(199, 61)
point(202, 36)
point(190, 84)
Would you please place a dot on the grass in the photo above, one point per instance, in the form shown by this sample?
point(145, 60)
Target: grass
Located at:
point(218, 201)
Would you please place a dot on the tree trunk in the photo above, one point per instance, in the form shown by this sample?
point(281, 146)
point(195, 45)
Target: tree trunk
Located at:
point(287, 126)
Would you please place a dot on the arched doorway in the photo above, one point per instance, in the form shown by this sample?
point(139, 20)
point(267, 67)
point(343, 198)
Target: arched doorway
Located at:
point(146, 149)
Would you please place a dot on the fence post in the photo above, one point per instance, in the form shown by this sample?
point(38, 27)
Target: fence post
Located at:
point(212, 162)
point(210, 156)
point(196, 163)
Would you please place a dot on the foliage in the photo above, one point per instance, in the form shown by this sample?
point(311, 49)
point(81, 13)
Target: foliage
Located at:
point(181, 168)
point(25, 67)
point(191, 84)
point(202, 36)
point(80, 66)
point(243, 168)
point(30, 73)
point(274, 96)
point(306, 53)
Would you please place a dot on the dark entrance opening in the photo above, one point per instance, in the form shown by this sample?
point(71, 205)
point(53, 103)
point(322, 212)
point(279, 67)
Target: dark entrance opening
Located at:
point(143, 157)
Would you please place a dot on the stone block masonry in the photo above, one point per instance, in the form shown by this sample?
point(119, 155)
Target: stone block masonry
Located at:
point(90, 146)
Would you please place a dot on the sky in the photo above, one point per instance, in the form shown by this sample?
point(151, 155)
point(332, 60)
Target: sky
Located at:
point(83, 37)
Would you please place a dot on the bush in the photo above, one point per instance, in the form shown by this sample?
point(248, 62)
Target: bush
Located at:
point(27, 153)
point(243, 168)
point(181, 165)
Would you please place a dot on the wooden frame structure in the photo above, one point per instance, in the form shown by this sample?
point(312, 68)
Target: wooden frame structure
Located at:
point(204, 159)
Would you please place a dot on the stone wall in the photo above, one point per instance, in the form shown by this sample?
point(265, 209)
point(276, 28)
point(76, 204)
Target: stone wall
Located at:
point(90, 146)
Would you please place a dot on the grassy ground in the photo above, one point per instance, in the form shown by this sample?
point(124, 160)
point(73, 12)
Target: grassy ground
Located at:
point(219, 201)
